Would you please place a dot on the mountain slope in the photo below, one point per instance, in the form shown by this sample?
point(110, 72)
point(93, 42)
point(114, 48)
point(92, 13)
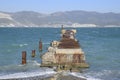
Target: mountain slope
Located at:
point(68, 18)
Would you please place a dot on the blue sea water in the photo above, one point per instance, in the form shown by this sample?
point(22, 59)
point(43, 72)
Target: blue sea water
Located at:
point(101, 47)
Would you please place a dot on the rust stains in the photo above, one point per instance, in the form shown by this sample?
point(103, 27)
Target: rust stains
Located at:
point(24, 57)
point(68, 44)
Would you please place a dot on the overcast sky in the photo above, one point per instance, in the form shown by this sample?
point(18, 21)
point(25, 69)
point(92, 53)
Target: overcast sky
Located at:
point(50, 6)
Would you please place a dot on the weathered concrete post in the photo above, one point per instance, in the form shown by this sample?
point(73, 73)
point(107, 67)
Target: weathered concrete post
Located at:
point(40, 45)
point(24, 57)
point(33, 53)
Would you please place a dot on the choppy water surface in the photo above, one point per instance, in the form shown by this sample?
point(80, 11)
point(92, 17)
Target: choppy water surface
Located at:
point(101, 47)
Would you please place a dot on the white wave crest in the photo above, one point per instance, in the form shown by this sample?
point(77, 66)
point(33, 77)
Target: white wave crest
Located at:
point(21, 45)
point(84, 77)
point(31, 69)
point(27, 74)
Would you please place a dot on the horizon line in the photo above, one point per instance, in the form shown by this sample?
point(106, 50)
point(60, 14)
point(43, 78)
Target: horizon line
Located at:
point(56, 11)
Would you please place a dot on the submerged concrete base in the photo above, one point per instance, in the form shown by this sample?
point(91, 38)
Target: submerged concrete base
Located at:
point(72, 67)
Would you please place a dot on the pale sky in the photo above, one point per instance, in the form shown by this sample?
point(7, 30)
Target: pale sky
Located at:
point(50, 6)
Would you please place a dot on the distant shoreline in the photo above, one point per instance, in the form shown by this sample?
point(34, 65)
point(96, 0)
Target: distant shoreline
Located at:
point(57, 27)
point(74, 18)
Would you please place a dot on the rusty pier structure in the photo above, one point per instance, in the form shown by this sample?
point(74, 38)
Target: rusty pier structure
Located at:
point(65, 53)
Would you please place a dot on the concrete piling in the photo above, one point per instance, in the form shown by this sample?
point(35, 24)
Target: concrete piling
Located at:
point(24, 57)
point(40, 45)
point(33, 53)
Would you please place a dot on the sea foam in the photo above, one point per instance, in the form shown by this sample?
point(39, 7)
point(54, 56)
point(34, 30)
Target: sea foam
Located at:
point(26, 74)
point(80, 75)
point(31, 69)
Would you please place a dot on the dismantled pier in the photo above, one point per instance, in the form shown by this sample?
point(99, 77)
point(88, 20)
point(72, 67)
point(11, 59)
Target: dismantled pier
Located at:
point(66, 53)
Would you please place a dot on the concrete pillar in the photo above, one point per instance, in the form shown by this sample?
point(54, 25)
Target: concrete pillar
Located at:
point(33, 53)
point(24, 57)
point(40, 45)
